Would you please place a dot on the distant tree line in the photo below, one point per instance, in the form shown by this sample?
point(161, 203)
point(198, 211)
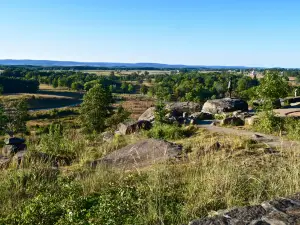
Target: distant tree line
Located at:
point(199, 87)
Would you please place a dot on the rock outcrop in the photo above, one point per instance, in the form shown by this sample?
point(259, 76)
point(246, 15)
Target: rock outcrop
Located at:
point(148, 115)
point(201, 116)
point(14, 150)
point(232, 121)
point(132, 127)
point(218, 106)
point(143, 153)
point(178, 108)
point(277, 212)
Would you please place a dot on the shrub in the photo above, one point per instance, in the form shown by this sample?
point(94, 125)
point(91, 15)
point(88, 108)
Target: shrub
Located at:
point(170, 131)
point(269, 123)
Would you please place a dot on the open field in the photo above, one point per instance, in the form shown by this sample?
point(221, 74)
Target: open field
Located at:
point(135, 104)
point(47, 98)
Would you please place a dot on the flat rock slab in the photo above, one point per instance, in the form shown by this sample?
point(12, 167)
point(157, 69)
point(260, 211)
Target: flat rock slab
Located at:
point(143, 153)
point(280, 211)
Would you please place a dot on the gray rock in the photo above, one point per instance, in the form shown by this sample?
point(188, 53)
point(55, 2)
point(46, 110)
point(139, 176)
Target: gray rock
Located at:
point(201, 116)
point(237, 113)
point(132, 127)
point(233, 121)
point(148, 115)
point(219, 106)
point(178, 108)
point(290, 100)
point(10, 150)
point(280, 211)
point(107, 136)
point(143, 153)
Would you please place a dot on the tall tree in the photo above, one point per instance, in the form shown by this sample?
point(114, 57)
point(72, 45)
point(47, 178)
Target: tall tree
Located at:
point(96, 107)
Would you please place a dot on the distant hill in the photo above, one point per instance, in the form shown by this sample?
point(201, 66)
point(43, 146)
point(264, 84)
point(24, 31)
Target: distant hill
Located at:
point(47, 63)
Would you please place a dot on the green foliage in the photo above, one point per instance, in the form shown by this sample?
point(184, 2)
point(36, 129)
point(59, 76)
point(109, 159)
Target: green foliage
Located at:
point(58, 142)
point(269, 123)
point(77, 86)
point(169, 131)
point(118, 117)
point(95, 108)
point(160, 112)
point(15, 116)
point(199, 87)
point(272, 86)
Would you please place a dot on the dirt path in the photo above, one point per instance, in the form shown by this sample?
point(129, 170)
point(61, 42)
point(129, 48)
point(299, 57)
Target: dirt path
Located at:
point(268, 140)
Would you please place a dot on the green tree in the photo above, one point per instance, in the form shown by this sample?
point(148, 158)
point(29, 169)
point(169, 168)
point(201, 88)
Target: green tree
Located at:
point(16, 114)
point(144, 89)
point(76, 86)
point(272, 86)
point(96, 107)
point(130, 88)
point(124, 86)
point(160, 112)
point(55, 83)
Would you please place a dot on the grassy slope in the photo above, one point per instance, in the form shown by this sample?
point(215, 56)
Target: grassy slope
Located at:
point(239, 173)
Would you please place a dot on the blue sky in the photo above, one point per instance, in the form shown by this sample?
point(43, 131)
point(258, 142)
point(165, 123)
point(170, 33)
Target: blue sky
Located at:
point(192, 32)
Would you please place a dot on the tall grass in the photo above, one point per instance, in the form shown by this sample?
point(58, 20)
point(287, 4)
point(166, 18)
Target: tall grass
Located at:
point(235, 173)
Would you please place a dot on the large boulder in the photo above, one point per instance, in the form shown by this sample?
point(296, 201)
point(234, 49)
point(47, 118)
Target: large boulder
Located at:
point(148, 115)
point(178, 108)
point(132, 127)
point(218, 106)
point(143, 153)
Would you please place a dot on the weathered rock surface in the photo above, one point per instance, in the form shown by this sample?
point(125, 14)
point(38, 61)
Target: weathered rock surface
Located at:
point(201, 116)
point(282, 211)
point(10, 150)
point(132, 127)
point(13, 151)
point(218, 106)
point(232, 121)
point(148, 115)
point(107, 136)
point(142, 153)
point(290, 100)
point(178, 108)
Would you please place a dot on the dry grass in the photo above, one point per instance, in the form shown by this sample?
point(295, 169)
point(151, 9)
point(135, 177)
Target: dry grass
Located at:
point(136, 104)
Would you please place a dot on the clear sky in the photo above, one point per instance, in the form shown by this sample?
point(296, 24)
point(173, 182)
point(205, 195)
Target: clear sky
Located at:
point(192, 32)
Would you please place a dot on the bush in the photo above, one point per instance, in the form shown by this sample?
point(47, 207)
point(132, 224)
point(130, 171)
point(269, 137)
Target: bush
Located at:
point(171, 132)
point(269, 123)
